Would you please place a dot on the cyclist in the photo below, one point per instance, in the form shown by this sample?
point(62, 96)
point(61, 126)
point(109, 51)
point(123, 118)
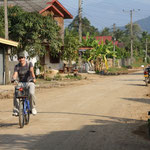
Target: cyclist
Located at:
point(25, 72)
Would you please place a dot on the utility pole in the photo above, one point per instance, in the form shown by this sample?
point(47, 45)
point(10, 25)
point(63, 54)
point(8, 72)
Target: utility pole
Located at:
point(114, 40)
point(131, 23)
point(80, 20)
point(146, 51)
point(6, 55)
point(131, 32)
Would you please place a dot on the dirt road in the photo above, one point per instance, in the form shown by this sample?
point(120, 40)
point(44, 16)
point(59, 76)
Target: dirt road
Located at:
point(107, 114)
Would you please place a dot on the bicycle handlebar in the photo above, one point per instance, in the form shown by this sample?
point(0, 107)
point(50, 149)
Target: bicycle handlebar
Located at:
point(14, 80)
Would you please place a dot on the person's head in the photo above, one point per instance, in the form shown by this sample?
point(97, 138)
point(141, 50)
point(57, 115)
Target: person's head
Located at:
point(21, 58)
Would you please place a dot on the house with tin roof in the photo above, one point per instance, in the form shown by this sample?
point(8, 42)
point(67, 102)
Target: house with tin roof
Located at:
point(46, 8)
point(4, 44)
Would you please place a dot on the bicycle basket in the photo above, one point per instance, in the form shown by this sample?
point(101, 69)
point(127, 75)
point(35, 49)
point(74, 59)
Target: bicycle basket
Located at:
point(21, 92)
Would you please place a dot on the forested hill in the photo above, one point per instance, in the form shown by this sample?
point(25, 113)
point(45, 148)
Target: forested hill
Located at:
point(144, 24)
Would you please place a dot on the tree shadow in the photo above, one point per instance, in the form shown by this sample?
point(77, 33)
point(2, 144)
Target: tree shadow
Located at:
point(141, 100)
point(105, 133)
point(137, 84)
point(139, 73)
point(6, 125)
point(132, 80)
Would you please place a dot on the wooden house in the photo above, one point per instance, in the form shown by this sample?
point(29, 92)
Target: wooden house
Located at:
point(46, 8)
point(59, 13)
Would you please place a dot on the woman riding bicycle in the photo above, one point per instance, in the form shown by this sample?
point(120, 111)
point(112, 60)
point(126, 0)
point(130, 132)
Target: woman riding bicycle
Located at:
point(25, 72)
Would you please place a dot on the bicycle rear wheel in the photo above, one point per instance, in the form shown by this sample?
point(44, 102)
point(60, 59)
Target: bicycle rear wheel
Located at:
point(27, 111)
point(27, 117)
point(21, 114)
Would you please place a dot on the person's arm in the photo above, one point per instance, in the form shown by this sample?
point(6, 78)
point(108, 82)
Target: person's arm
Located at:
point(15, 75)
point(32, 73)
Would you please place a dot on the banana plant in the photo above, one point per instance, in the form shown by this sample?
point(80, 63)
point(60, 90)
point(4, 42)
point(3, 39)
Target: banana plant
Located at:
point(99, 52)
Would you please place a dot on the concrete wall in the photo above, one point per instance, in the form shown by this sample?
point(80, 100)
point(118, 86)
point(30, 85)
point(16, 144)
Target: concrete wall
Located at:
point(49, 65)
point(11, 68)
point(124, 62)
point(1, 66)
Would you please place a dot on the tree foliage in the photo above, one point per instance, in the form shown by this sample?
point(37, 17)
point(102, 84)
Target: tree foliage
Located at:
point(86, 27)
point(98, 53)
point(105, 32)
point(71, 46)
point(32, 30)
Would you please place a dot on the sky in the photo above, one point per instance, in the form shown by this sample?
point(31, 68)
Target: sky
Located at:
point(104, 13)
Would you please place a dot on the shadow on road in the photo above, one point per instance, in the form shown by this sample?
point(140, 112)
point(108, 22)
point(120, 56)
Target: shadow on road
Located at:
point(137, 84)
point(6, 125)
point(142, 100)
point(131, 80)
point(105, 133)
point(141, 73)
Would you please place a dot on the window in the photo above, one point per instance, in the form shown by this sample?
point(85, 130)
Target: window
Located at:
point(54, 59)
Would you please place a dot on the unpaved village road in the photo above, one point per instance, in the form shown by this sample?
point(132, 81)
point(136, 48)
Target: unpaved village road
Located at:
point(108, 113)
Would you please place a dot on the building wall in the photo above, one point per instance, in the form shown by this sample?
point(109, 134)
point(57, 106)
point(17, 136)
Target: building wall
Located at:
point(11, 68)
point(47, 13)
point(57, 66)
point(1, 65)
point(60, 22)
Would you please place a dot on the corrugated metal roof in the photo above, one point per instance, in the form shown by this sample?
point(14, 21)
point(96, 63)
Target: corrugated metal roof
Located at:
point(8, 42)
point(28, 5)
point(103, 39)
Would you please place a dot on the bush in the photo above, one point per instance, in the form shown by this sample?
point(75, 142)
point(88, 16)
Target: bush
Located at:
point(78, 77)
point(57, 77)
point(117, 70)
point(48, 79)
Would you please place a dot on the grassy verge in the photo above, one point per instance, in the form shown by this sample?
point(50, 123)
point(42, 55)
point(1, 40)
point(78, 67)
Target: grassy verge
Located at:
point(78, 77)
point(117, 70)
point(138, 64)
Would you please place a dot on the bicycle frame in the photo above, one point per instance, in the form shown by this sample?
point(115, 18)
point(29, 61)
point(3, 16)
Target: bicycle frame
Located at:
point(26, 105)
point(22, 93)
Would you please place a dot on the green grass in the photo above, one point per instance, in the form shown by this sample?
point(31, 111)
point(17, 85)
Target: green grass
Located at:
point(57, 77)
point(73, 77)
point(138, 64)
point(117, 70)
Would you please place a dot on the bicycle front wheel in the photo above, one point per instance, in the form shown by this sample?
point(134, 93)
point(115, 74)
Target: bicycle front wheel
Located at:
point(21, 114)
point(146, 81)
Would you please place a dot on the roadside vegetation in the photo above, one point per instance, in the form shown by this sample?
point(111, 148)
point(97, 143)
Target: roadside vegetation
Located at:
point(98, 54)
point(33, 31)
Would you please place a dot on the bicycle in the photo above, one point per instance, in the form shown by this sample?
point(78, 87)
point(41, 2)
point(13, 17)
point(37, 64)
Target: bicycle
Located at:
point(22, 93)
point(148, 123)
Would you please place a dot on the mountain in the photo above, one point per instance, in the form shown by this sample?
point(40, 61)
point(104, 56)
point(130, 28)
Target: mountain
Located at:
point(144, 24)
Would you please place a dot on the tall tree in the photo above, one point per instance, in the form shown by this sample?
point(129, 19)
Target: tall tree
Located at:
point(106, 32)
point(32, 31)
point(136, 30)
point(119, 34)
point(71, 47)
point(86, 26)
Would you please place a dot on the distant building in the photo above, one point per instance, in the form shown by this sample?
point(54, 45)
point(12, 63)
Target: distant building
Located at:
point(104, 39)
